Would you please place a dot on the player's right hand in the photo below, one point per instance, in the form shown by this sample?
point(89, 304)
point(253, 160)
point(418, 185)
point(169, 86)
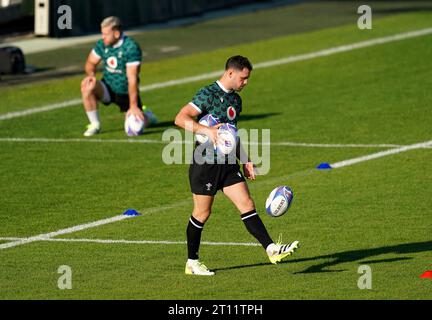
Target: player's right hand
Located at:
point(212, 133)
point(137, 112)
point(250, 171)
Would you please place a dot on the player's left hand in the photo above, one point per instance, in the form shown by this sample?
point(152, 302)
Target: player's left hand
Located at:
point(137, 112)
point(249, 171)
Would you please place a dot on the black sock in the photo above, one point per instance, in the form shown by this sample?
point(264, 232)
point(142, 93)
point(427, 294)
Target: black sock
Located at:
point(256, 228)
point(193, 233)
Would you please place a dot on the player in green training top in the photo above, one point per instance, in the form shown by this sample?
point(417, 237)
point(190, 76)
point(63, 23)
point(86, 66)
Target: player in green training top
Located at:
point(121, 57)
point(221, 100)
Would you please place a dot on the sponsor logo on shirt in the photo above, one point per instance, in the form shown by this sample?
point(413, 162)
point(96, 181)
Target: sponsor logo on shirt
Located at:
point(112, 62)
point(231, 113)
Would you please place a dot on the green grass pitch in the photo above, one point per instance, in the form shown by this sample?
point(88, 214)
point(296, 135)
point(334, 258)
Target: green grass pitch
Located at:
point(374, 213)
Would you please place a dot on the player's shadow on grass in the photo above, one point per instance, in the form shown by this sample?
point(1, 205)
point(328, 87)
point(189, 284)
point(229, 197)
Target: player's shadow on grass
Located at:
point(335, 259)
point(360, 255)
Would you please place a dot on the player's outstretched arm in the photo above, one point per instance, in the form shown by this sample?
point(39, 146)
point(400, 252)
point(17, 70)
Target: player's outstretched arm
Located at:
point(132, 76)
point(88, 84)
point(91, 64)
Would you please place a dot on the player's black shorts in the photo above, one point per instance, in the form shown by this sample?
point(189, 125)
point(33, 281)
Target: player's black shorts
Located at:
point(206, 179)
point(122, 100)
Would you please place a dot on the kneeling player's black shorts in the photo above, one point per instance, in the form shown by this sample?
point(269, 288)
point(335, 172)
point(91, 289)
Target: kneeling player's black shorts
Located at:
point(122, 100)
point(206, 179)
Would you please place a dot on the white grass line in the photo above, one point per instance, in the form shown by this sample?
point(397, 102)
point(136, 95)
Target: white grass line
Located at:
point(381, 154)
point(49, 236)
point(150, 141)
point(46, 236)
point(31, 111)
point(345, 48)
point(160, 242)
point(262, 65)
point(327, 145)
point(77, 140)
point(176, 205)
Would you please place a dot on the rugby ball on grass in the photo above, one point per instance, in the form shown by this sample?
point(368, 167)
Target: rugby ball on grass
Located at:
point(134, 126)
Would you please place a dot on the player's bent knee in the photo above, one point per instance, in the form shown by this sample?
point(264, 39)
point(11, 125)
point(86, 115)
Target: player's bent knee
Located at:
point(88, 87)
point(201, 215)
point(85, 91)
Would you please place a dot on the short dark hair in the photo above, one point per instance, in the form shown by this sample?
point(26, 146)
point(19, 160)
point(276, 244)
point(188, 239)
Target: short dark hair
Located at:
point(238, 63)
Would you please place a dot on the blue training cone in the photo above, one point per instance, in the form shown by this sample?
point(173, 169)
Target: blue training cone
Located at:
point(131, 212)
point(324, 166)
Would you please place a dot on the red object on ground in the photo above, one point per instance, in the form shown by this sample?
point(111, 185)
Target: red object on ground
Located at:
point(427, 274)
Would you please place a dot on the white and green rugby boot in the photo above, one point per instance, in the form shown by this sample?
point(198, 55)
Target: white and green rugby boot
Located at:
point(277, 252)
point(194, 267)
point(92, 129)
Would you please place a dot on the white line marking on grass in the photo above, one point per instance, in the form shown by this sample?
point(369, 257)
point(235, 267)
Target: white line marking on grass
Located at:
point(48, 236)
point(267, 64)
point(345, 48)
point(346, 163)
point(31, 111)
point(160, 242)
point(76, 140)
point(45, 236)
point(327, 145)
point(150, 141)
point(176, 205)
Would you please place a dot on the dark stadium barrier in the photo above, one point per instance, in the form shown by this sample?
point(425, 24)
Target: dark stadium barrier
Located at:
point(12, 60)
point(87, 15)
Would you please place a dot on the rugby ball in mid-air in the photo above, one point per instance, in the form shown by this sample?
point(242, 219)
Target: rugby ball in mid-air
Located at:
point(227, 138)
point(209, 121)
point(134, 126)
point(279, 201)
